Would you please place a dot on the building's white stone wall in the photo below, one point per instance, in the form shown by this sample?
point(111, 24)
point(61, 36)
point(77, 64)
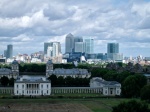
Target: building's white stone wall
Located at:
point(35, 89)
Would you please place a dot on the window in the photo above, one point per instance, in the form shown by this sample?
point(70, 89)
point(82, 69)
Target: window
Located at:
point(47, 85)
point(47, 91)
point(22, 86)
point(17, 91)
point(41, 86)
point(17, 85)
point(22, 91)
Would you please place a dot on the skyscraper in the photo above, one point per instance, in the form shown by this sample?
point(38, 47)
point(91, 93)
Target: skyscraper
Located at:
point(113, 51)
point(69, 44)
point(9, 51)
point(79, 47)
point(112, 48)
point(53, 49)
point(89, 45)
point(46, 44)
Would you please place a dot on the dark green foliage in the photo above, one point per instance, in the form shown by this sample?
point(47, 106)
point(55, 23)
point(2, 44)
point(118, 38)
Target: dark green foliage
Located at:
point(65, 66)
point(68, 81)
point(5, 66)
point(53, 80)
point(4, 81)
point(11, 81)
point(145, 93)
point(132, 85)
point(32, 67)
point(131, 106)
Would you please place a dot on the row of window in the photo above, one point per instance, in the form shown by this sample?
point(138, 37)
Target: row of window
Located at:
point(32, 92)
point(30, 86)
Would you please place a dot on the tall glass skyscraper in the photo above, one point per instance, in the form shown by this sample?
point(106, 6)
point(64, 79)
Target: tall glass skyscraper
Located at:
point(53, 49)
point(69, 44)
point(89, 45)
point(112, 48)
point(113, 51)
point(9, 51)
point(46, 44)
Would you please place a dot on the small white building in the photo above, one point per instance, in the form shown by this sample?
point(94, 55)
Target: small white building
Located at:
point(32, 86)
point(108, 87)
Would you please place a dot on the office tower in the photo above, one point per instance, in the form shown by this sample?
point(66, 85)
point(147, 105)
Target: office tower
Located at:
point(54, 49)
point(89, 45)
point(9, 51)
point(113, 52)
point(46, 44)
point(77, 39)
point(79, 47)
point(69, 44)
point(5, 53)
point(49, 51)
point(112, 48)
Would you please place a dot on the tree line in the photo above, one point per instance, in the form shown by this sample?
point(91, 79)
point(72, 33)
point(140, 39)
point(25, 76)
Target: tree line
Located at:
point(68, 81)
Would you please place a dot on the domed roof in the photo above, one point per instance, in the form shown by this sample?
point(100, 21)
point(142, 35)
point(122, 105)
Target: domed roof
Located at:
point(15, 62)
point(49, 62)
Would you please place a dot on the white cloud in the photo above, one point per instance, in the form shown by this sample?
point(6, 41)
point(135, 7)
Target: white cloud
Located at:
point(31, 23)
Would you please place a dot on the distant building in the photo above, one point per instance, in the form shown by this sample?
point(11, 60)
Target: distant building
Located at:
point(89, 45)
point(53, 49)
point(69, 43)
point(10, 73)
point(46, 44)
point(113, 52)
point(108, 87)
point(9, 51)
point(75, 72)
point(79, 47)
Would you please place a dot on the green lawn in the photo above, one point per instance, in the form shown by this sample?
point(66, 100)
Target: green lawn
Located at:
point(94, 104)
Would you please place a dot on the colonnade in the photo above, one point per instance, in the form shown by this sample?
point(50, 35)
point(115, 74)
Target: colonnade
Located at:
point(55, 90)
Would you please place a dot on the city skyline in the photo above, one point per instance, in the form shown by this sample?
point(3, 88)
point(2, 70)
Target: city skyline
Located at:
point(32, 23)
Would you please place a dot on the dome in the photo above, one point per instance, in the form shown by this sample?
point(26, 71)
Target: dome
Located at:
point(49, 62)
point(15, 62)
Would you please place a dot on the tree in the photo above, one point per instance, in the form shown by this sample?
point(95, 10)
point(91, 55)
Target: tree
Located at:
point(145, 92)
point(131, 106)
point(11, 81)
point(60, 81)
point(132, 85)
point(4, 81)
point(53, 79)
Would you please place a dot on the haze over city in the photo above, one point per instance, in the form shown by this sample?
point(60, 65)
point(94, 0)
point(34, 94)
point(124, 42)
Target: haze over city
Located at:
point(28, 24)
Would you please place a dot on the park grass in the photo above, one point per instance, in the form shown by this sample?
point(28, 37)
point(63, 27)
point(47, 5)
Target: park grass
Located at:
point(94, 104)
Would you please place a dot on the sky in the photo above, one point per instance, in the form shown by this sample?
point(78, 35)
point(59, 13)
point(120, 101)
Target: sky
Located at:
point(27, 24)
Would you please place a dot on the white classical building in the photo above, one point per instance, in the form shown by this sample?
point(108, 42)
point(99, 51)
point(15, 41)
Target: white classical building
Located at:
point(74, 72)
point(32, 86)
point(108, 87)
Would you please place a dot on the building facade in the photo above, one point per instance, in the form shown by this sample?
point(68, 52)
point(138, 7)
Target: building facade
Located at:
point(9, 51)
point(89, 45)
point(32, 86)
point(69, 43)
point(108, 87)
point(74, 72)
point(113, 52)
point(10, 73)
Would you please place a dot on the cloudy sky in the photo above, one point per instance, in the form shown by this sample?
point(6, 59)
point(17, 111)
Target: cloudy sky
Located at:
point(27, 24)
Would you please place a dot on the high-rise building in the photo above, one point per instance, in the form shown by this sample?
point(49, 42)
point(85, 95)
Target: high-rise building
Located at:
point(9, 51)
point(46, 44)
point(79, 47)
point(112, 48)
point(54, 49)
point(113, 51)
point(77, 39)
point(89, 45)
point(69, 44)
